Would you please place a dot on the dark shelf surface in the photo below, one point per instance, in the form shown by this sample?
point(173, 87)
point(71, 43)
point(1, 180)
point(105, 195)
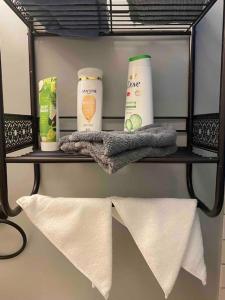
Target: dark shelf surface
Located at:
point(101, 17)
point(181, 156)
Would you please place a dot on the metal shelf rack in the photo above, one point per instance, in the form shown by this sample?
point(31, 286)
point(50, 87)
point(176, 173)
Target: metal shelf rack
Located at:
point(104, 18)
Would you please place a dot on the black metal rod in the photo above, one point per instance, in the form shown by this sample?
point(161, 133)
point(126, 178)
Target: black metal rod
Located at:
point(37, 179)
point(181, 156)
point(51, 26)
point(7, 210)
point(51, 22)
point(87, 18)
point(149, 33)
point(104, 5)
point(122, 118)
point(106, 29)
point(64, 11)
point(19, 117)
point(2, 215)
point(33, 91)
point(23, 235)
point(73, 159)
point(70, 24)
point(103, 28)
point(207, 116)
point(105, 22)
point(2, 147)
point(33, 104)
point(130, 33)
point(191, 86)
point(38, 26)
point(115, 13)
point(94, 21)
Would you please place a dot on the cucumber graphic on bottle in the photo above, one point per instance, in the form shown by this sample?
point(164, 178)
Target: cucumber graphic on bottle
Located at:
point(139, 104)
point(134, 122)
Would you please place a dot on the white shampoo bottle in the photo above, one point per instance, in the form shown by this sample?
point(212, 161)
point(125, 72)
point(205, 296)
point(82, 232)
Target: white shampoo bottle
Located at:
point(139, 98)
point(89, 99)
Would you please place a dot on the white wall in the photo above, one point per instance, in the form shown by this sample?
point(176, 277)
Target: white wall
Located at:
point(41, 272)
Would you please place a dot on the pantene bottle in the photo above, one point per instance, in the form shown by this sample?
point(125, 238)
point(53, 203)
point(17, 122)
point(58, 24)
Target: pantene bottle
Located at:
point(139, 99)
point(89, 100)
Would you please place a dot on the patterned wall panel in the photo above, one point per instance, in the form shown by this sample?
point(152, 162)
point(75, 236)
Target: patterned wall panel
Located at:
point(18, 132)
point(206, 131)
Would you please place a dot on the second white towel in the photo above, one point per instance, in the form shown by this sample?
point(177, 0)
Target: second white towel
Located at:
point(81, 228)
point(167, 232)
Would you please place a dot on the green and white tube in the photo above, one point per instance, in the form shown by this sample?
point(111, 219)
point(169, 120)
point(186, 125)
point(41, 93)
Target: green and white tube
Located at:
point(48, 121)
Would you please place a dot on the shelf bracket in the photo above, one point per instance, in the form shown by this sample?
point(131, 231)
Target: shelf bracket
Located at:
point(5, 209)
point(220, 148)
point(219, 193)
point(23, 235)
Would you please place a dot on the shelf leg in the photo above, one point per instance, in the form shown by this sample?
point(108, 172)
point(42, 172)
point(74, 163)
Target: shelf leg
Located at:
point(33, 90)
point(191, 87)
point(37, 177)
point(5, 209)
point(219, 192)
point(33, 105)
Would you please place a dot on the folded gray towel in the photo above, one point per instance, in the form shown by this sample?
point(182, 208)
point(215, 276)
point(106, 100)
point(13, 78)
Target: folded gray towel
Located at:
point(154, 14)
point(80, 18)
point(114, 150)
point(118, 141)
point(111, 164)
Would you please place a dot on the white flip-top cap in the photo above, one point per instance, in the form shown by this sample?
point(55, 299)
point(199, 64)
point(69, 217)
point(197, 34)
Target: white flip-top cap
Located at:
point(49, 146)
point(90, 72)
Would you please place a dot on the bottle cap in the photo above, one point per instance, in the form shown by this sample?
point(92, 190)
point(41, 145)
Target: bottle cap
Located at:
point(90, 74)
point(49, 146)
point(141, 56)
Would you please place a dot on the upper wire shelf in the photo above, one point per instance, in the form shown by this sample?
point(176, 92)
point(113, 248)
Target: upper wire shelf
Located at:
point(108, 17)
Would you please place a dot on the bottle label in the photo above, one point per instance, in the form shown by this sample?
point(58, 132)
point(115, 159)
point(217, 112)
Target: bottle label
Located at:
point(47, 104)
point(133, 119)
point(88, 107)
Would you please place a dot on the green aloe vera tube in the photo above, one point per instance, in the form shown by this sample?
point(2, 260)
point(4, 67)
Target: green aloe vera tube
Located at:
point(48, 123)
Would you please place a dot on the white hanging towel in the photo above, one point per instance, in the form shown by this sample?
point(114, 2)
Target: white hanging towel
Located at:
point(81, 229)
point(168, 234)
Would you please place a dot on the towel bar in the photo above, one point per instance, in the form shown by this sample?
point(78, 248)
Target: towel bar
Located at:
point(23, 235)
point(6, 210)
point(218, 203)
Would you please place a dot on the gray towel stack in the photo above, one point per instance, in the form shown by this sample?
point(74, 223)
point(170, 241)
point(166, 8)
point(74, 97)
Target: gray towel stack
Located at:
point(116, 149)
point(70, 18)
point(156, 12)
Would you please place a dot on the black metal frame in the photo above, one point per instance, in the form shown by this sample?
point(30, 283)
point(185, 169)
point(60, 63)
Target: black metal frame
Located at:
point(197, 126)
point(108, 18)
